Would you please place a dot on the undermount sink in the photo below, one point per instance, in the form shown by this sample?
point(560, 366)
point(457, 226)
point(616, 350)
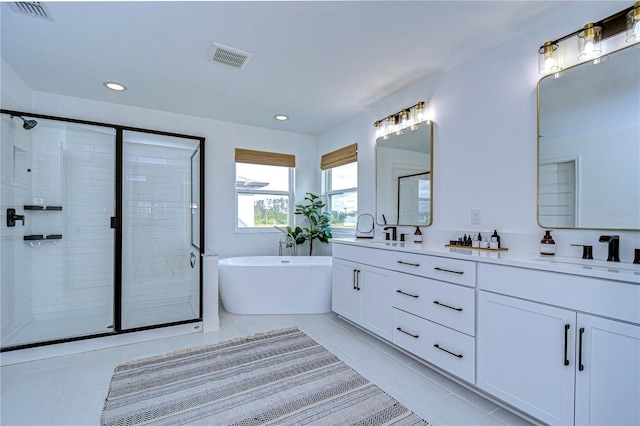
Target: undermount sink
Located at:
point(593, 264)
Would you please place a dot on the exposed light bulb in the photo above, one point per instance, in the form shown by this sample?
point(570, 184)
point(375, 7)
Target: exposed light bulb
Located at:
point(549, 64)
point(588, 49)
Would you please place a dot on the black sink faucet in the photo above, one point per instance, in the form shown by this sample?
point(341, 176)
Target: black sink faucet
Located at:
point(614, 247)
point(394, 232)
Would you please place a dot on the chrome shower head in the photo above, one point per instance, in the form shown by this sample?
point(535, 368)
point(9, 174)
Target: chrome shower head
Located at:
point(27, 124)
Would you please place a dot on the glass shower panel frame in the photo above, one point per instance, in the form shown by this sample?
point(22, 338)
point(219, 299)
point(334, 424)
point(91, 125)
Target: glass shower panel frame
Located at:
point(70, 257)
point(160, 258)
point(57, 263)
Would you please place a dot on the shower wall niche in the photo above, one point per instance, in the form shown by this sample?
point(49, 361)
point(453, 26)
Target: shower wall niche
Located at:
point(106, 243)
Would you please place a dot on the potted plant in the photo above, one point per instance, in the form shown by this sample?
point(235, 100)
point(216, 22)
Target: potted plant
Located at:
point(319, 222)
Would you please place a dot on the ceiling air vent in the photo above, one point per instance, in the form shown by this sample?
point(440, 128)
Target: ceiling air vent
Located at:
point(229, 56)
point(31, 8)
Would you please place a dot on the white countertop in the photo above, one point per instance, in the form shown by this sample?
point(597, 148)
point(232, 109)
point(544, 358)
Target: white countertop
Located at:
point(626, 272)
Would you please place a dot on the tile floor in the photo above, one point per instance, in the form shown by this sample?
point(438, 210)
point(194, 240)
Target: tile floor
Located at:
point(70, 390)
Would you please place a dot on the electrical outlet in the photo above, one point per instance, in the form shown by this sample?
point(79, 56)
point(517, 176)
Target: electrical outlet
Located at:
point(475, 216)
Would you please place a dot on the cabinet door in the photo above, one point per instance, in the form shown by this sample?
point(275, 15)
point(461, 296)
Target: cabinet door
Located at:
point(345, 296)
point(525, 356)
point(376, 310)
point(608, 376)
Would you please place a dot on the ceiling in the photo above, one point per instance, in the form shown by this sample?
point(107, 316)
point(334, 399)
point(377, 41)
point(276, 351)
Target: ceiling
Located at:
point(321, 63)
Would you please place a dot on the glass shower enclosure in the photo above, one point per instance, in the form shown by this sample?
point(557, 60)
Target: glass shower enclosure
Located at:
point(101, 229)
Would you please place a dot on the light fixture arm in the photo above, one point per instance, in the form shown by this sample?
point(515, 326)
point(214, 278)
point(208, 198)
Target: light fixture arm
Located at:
point(612, 25)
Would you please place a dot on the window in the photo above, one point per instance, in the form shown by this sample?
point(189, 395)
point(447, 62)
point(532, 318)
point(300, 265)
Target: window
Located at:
point(341, 186)
point(263, 189)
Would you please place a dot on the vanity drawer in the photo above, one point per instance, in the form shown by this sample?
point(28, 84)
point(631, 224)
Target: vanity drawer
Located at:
point(440, 268)
point(448, 304)
point(446, 348)
point(608, 298)
point(364, 255)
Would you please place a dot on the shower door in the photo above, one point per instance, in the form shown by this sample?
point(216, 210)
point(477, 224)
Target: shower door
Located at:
point(101, 229)
point(57, 263)
point(160, 260)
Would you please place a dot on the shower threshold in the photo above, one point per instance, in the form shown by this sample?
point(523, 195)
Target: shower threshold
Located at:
point(96, 343)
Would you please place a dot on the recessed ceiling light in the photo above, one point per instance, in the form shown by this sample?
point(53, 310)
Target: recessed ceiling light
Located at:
point(281, 117)
point(114, 86)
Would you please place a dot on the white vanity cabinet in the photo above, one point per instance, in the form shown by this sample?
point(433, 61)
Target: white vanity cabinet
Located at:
point(423, 304)
point(608, 377)
point(561, 364)
point(521, 356)
point(433, 319)
point(361, 293)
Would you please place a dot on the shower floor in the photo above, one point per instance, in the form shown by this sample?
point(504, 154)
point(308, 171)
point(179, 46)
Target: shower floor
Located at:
point(44, 328)
point(134, 316)
point(48, 328)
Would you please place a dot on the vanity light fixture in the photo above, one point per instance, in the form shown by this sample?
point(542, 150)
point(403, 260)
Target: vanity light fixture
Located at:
point(407, 118)
point(548, 58)
point(589, 42)
point(589, 38)
point(114, 86)
point(633, 24)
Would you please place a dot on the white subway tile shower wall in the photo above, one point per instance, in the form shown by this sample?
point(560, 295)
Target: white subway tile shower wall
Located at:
point(74, 168)
point(157, 227)
point(15, 262)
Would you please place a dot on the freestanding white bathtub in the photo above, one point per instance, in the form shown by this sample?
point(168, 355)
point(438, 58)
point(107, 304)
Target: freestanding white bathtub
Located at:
point(256, 285)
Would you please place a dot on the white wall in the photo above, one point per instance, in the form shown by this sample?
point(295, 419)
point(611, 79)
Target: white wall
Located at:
point(485, 145)
point(15, 94)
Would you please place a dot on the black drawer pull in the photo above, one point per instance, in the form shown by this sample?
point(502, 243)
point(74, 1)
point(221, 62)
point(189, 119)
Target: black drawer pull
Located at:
point(408, 263)
point(415, 336)
point(450, 353)
point(448, 270)
point(447, 306)
point(415, 296)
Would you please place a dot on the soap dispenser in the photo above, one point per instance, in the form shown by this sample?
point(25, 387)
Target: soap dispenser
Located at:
point(495, 238)
point(417, 236)
point(547, 245)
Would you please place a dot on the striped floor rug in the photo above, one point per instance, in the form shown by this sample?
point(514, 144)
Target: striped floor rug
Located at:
point(282, 377)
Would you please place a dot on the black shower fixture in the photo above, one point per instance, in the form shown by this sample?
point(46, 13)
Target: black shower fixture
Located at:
point(27, 124)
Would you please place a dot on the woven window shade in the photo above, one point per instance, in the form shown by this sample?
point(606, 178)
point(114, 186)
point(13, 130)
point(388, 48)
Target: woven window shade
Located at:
point(340, 157)
point(265, 158)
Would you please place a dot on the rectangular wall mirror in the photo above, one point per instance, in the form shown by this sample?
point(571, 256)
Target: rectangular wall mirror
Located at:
point(403, 177)
point(589, 145)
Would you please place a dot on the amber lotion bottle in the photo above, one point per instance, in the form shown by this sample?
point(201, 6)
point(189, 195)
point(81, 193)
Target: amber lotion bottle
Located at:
point(417, 236)
point(547, 245)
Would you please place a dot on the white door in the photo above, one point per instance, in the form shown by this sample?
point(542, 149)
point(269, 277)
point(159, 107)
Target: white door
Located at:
point(345, 296)
point(525, 356)
point(376, 296)
point(608, 377)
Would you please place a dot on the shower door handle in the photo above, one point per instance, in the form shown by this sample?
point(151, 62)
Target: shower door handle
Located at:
point(192, 260)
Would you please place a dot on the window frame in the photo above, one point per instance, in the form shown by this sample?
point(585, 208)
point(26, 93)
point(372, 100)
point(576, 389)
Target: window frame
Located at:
point(290, 194)
point(328, 193)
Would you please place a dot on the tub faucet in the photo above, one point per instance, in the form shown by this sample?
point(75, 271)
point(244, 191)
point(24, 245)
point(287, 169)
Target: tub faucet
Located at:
point(614, 247)
point(289, 241)
point(394, 232)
